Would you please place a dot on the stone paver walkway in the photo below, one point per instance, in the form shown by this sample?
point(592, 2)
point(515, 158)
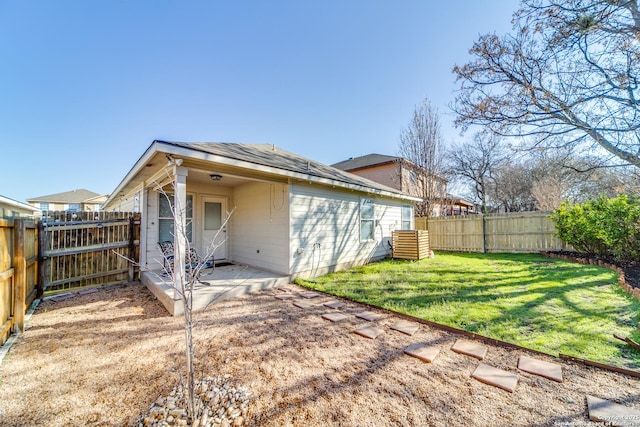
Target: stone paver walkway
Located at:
point(599, 410)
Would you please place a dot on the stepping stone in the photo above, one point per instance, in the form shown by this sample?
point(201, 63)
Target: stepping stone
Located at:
point(495, 377)
point(309, 295)
point(303, 304)
point(368, 332)
point(334, 317)
point(612, 413)
point(87, 291)
point(369, 315)
point(333, 304)
point(470, 348)
point(405, 327)
point(284, 296)
point(544, 369)
point(423, 352)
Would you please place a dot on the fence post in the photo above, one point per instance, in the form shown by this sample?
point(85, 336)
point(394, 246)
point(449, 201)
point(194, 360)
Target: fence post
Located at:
point(484, 233)
point(20, 275)
point(41, 261)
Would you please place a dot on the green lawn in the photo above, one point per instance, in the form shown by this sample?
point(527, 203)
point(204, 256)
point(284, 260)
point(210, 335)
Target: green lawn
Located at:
point(537, 302)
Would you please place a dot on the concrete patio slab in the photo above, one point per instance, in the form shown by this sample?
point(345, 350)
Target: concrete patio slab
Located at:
point(407, 328)
point(495, 377)
point(612, 413)
point(424, 352)
point(284, 296)
point(370, 332)
point(334, 304)
point(470, 348)
point(220, 284)
point(303, 304)
point(309, 295)
point(335, 317)
point(369, 315)
point(541, 368)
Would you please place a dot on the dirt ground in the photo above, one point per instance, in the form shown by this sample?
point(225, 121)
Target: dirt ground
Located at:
point(102, 359)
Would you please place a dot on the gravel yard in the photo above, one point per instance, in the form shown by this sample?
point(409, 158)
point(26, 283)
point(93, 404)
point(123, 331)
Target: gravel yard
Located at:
point(104, 358)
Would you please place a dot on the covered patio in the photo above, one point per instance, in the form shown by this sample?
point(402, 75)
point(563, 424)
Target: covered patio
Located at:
point(216, 285)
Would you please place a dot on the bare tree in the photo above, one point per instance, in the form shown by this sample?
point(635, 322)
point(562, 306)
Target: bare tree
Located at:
point(184, 281)
point(420, 144)
point(568, 75)
point(476, 163)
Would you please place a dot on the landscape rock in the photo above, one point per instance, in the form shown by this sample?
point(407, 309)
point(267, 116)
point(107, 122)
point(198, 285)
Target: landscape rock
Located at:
point(218, 401)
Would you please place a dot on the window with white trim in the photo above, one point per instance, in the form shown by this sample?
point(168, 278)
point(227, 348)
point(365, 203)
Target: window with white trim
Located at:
point(367, 222)
point(165, 217)
point(407, 211)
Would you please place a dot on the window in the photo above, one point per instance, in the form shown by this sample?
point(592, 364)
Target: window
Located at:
point(44, 206)
point(165, 218)
point(406, 217)
point(74, 207)
point(366, 220)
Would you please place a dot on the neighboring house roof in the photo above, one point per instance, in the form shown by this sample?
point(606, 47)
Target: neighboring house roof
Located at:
point(18, 205)
point(73, 196)
point(369, 160)
point(264, 158)
point(459, 200)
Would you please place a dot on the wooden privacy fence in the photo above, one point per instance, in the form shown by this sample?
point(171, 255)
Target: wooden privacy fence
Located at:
point(18, 273)
point(88, 248)
point(510, 232)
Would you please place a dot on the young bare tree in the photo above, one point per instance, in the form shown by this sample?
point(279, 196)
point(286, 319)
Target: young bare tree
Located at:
point(566, 76)
point(185, 281)
point(421, 145)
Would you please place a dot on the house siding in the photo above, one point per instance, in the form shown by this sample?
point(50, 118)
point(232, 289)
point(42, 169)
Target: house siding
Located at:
point(259, 229)
point(325, 229)
point(386, 174)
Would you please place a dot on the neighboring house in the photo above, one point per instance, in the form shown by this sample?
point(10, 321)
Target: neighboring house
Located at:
point(407, 177)
point(290, 215)
point(456, 205)
point(70, 201)
point(12, 209)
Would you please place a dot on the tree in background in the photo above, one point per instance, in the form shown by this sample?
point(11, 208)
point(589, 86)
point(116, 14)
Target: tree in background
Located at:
point(476, 164)
point(567, 76)
point(421, 144)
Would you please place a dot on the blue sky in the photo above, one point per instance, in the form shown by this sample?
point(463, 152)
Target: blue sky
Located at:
point(86, 86)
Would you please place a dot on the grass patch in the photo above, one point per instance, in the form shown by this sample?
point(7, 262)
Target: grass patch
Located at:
point(545, 304)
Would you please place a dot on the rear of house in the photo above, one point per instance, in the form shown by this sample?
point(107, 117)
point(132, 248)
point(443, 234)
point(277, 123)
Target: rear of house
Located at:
point(288, 214)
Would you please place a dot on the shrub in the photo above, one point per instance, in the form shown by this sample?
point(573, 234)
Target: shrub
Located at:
point(602, 227)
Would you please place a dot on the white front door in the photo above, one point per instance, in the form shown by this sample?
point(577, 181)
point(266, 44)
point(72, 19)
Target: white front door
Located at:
point(213, 212)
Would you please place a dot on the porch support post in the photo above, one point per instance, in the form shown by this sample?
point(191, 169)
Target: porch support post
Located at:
point(179, 229)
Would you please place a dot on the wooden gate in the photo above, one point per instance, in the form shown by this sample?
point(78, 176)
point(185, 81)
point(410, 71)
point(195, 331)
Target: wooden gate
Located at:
point(83, 249)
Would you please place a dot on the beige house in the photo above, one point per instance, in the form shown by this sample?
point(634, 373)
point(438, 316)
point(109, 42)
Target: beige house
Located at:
point(405, 176)
point(71, 201)
point(290, 215)
point(12, 209)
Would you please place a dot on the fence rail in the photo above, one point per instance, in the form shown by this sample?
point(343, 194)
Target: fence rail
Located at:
point(511, 232)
